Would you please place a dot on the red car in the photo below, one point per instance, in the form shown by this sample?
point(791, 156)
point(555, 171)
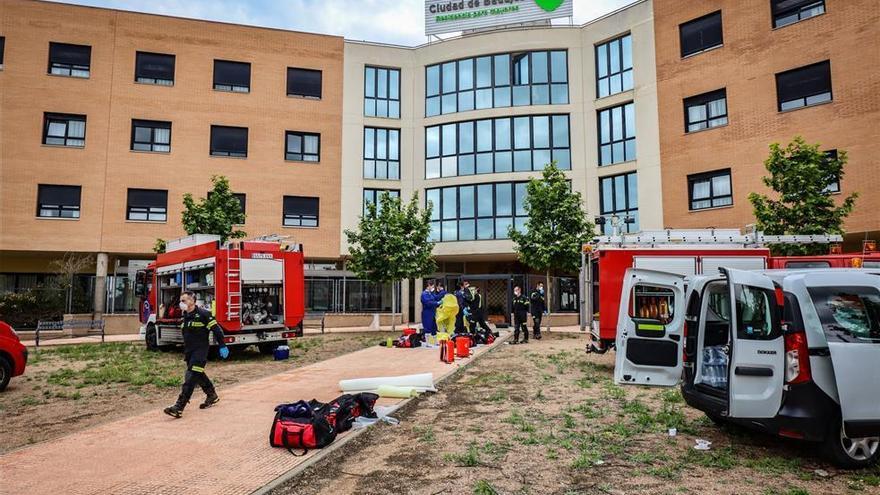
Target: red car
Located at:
point(13, 355)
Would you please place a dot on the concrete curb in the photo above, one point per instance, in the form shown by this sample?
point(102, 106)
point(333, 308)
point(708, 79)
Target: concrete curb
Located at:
point(323, 453)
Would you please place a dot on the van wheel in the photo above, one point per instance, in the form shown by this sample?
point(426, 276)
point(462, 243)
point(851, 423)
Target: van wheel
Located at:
point(5, 372)
point(151, 338)
point(851, 453)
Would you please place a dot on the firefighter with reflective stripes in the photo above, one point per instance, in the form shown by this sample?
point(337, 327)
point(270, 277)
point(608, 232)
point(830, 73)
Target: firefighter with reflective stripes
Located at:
point(197, 324)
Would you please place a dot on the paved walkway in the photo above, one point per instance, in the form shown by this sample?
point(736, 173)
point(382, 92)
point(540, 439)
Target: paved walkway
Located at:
point(221, 450)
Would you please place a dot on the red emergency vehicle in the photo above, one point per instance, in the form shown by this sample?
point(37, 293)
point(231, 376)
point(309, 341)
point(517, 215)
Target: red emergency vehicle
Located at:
point(868, 258)
point(684, 252)
point(254, 288)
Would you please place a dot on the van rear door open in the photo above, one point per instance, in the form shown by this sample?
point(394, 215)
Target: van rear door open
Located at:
point(848, 307)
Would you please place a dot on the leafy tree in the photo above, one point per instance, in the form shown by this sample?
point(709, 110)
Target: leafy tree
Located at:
point(392, 243)
point(800, 175)
point(217, 214)
point(557, 227)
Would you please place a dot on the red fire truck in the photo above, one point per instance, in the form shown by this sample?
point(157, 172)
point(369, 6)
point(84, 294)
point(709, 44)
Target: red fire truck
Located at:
point(685, 252)
point(254, 288)
point(868, 258)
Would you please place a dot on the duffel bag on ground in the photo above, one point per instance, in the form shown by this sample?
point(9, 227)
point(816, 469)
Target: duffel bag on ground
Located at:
point(299, 426)
point(343, 410)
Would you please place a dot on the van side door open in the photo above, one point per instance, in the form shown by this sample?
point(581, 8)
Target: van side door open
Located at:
point(757, 359)
point(649, 329)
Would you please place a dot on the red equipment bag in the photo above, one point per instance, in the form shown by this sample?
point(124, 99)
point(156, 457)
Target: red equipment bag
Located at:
point(299, 426)
point(343, 410)
point(409, 331)
point(447, 351)
point(463, 347)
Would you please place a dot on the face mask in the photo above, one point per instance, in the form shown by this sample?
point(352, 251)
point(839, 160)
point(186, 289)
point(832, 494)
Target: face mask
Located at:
point(541, 290)
point(183, 306)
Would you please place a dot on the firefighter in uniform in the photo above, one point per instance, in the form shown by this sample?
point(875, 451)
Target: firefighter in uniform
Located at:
point(197, 324)
point(538, 306)
point(520, 316)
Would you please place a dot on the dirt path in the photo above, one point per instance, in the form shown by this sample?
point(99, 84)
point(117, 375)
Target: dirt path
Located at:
point(547, 418)
point(69, 388)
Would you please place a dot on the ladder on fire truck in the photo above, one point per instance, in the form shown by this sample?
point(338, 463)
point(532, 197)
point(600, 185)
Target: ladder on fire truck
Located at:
point(704, 237)
point(233, 283)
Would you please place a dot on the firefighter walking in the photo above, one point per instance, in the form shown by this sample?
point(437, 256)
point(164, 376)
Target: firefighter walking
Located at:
point(520, 316)
point(197, 324)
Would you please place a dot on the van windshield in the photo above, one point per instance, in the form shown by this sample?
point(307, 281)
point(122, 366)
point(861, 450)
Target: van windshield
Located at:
point(848, 314)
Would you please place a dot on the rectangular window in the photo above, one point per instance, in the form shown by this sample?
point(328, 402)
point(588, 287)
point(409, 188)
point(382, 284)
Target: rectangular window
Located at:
point(617, 134)
point(154, 68)
point(232, 76)
point(849, 314)
point(303, 147)
point(804, 86)
point(2, 49)
point(300, 211)
point(381, 153)
point(710, 190)
point(471, 212)
point(63, 129)
point(373, 196)
point(229, 141)
point(705, 110)
point(614, 69)
point(150, 135)
point(618, 197)
point(58, 201)
point(787, 12)
point(701, 34)
point(381, 92)
point(69, 60)
point(147, 205)
point(500, 145)
point(834, 187)
point(303, 82)
point(510, 79)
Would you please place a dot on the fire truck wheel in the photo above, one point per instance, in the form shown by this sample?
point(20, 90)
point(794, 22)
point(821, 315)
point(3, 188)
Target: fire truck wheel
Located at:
point(269, 347)
point(152, 338)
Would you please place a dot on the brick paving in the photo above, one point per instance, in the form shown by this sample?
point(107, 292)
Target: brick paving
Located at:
point(221, 450)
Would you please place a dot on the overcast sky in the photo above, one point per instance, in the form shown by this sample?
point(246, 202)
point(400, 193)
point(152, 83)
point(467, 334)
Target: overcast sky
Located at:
point(388, 21)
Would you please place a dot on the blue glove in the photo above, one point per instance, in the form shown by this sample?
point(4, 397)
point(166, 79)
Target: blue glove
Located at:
point(224, 352)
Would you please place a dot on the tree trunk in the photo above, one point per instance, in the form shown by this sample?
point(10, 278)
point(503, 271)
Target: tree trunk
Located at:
point(393, 306)
point(547, 298)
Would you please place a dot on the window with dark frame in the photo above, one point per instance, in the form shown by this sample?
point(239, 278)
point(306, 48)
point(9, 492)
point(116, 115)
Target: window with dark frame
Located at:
point(710, 190)
point(617, 134)
point(495, 81)
point(154, 68)
point(381, 92)
point(302, 146)
point(2, 50)
point(300, 211)
point(787, 12)
point(69, 60)
point(372, 196)
point(804, 86)
point(381, 153)
point(229, 141)
point(147, 205)
point(705, 111)
point(55, 201)
point(618, 196)
point(242, 200)
point(834, 187)
point(501, 145)
point(701, 34)
point(61, 129)
point(230, 76)
point(614, 69)
point(476, 211)
point(304, 82)
point(150, 135)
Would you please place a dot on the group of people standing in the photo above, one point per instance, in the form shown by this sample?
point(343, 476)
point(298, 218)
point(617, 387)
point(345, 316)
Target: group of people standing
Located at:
point(464, 310)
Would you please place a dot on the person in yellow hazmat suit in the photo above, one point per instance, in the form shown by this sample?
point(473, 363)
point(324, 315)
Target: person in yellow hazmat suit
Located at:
point(446, 313)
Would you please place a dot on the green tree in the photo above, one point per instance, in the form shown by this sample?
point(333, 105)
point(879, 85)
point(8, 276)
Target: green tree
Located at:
point(557, 227)
point(800, 176)
point(217, 214)
point(392, 243)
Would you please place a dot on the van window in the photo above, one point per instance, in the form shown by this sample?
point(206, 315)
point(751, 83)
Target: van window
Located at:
point(652, 303)
point(848, 314)
point(719, 303)
point(754, 314)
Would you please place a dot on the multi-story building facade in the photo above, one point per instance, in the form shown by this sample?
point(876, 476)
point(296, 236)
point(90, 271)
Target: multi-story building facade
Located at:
point(734, 76)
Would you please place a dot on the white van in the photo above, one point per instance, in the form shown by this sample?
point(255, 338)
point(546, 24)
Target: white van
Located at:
point(797, 355)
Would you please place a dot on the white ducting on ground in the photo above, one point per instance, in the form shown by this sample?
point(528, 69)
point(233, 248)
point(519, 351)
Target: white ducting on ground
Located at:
point(422, 382)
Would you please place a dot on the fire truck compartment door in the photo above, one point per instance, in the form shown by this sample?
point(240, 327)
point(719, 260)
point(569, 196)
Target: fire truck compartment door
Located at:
point(262, 270)
point(681, 265)
point(649, 349)
point(711, 264)
point(757, 361)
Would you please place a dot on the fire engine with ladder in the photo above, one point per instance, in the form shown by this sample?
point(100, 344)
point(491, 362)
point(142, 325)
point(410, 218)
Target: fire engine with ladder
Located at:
point(254, 288)
point(687, 252)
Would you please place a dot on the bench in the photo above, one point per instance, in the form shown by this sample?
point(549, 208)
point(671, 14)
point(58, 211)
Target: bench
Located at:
point(75, 327)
